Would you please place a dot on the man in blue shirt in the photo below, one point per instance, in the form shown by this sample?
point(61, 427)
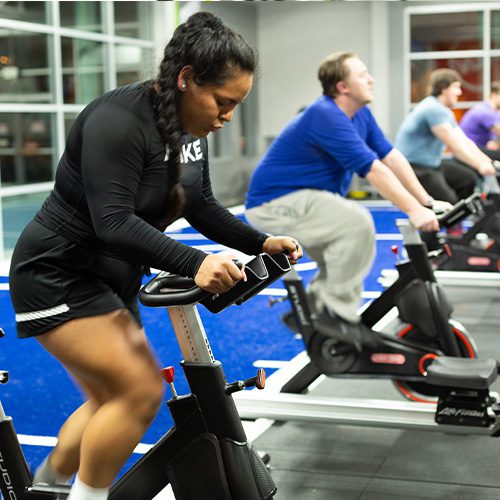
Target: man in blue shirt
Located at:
point(299, 186)
point(428, 129)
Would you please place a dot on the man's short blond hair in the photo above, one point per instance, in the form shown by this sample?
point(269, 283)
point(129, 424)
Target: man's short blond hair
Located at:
point(333, 70)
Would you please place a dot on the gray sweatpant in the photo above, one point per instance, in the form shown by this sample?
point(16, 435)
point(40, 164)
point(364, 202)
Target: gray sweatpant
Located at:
point(337, 233)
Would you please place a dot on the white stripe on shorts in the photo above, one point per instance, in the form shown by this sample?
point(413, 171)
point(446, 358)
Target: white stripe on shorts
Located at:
point(44, 313)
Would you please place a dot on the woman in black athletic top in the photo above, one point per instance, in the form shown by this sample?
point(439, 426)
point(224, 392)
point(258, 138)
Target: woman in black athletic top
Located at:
point(136, 159)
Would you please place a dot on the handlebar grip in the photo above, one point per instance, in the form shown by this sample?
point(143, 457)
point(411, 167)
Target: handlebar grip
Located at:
point(155, 293)
point(460, 211)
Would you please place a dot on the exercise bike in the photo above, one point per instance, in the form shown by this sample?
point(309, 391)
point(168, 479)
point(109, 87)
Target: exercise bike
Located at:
point(431, 360)
point(478, 249)
point(205, 456)
point(473, 257)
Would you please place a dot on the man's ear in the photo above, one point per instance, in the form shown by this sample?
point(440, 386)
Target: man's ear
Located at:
point(342, 87)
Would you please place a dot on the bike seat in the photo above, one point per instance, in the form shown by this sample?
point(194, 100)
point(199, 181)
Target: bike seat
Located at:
point(464, 373)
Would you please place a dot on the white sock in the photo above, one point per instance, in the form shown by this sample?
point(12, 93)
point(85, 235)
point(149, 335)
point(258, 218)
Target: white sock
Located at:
point(47, 475)
point(82, 491)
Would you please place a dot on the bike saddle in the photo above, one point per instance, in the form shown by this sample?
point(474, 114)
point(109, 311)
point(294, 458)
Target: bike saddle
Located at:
point(464, 373)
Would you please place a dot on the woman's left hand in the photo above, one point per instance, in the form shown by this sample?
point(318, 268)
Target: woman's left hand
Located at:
point(283, 244)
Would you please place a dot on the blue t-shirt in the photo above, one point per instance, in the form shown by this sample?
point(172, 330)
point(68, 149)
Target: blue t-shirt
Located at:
point(415, 138)
point(321, 148)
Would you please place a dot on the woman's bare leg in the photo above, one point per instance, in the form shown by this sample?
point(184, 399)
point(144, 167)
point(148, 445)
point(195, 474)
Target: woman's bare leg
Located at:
point(63, 461)
point(107, 354)
point(65, 457)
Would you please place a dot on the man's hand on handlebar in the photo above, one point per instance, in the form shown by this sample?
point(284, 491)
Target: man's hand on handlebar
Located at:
point(424, 219)
point(487, 168)
point(440, 206)
point(283, 244)
point(219, 273)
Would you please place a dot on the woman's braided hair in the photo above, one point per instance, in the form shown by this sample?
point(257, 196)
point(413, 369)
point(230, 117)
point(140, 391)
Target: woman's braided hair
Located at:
point(215, 53)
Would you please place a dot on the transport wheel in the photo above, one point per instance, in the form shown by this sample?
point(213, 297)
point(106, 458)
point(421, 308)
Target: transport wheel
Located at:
point(420, 391)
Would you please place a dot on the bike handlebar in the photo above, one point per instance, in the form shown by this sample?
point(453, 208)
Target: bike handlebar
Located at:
point(166, 290)
point(460, 211)
point(166, 287)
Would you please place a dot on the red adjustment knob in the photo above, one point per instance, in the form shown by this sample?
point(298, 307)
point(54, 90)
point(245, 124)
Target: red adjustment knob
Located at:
point(394, 249)
point(447, 249)
point(168, 374)
point(260, 382)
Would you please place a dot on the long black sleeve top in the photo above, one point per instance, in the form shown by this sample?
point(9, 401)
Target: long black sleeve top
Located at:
point(111, 188)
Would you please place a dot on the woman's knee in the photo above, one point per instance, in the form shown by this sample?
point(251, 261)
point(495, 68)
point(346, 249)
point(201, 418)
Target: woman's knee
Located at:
point(144, 395)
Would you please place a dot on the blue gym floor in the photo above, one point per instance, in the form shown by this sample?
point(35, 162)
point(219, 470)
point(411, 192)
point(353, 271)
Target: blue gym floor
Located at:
point(40, 396)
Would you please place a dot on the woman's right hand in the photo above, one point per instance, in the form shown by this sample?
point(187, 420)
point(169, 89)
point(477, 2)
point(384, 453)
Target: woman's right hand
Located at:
point(219, 273)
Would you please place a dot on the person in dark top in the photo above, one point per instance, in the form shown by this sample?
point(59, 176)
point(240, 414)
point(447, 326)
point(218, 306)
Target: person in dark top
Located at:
point(136, 159)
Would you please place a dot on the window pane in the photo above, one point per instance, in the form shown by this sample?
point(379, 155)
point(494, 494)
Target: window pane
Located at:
point(33, 12)
point(495, 29)
point(450, 31)
point(81, 15)
point(133, 63)
point(133, 19)
point(83, 70)
point(24, 63)
point(17, 211)
point(471, 71)
point(27, 152)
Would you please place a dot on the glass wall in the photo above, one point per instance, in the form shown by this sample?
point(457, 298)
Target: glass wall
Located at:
point(24, 66)
point(463, 37)
point(32, 12)
point(55, 57)
point(27, 149)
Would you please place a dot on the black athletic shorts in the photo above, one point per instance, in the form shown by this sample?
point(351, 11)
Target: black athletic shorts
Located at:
point(53, 280)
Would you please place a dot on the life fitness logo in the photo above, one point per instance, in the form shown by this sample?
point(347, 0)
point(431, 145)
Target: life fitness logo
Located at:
point(6, 479)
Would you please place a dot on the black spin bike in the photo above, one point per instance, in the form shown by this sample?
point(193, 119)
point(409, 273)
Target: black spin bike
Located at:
point(206, 455)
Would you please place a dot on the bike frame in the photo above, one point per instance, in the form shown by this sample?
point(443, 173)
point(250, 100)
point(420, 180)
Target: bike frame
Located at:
point(206, 453)
point(416, 270)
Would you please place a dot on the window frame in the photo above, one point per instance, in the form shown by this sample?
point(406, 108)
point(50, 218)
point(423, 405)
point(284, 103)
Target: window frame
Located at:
point(486, 53)
point(54, 29)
